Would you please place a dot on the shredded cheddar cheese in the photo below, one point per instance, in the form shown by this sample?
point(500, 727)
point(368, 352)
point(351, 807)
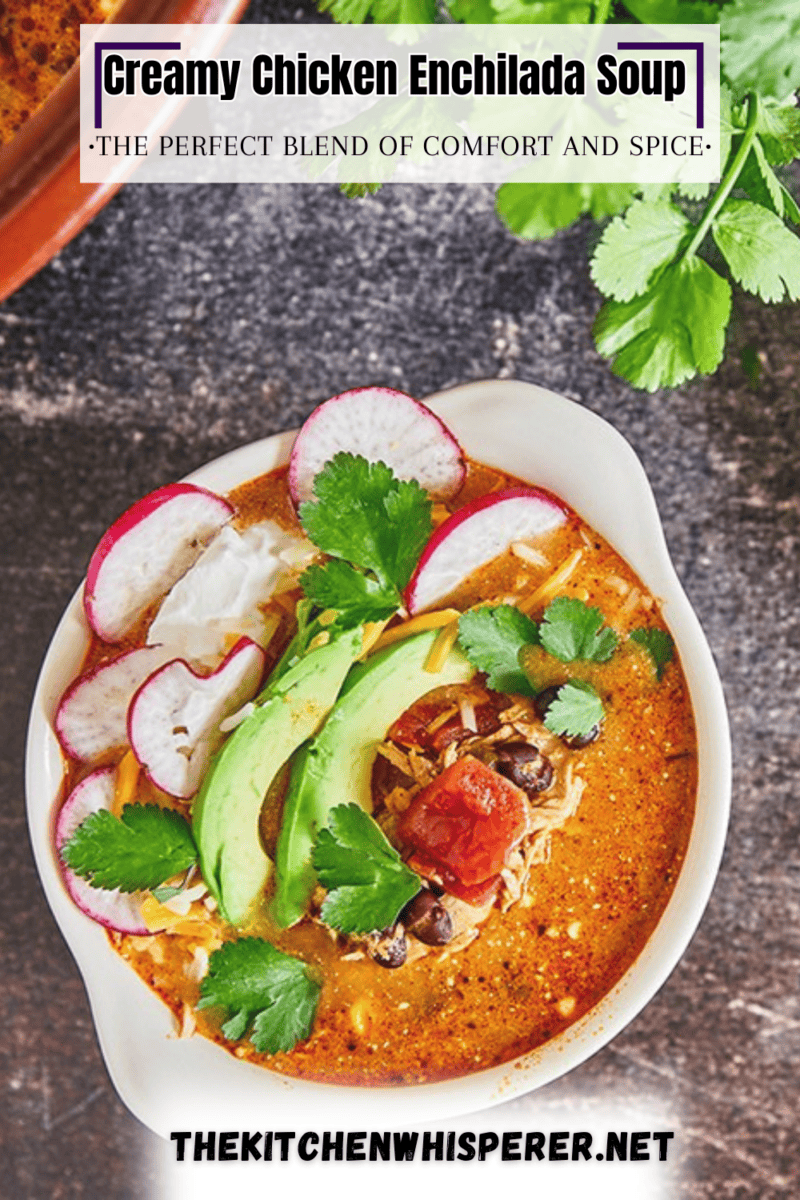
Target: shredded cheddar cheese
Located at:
point(548, 589)
point(371, 636)
point(441, 648)
point(127, 780)
point(420, 624)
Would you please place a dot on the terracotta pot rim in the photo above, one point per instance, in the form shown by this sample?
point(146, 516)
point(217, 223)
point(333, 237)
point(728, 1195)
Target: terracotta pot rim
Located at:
point(43, 204)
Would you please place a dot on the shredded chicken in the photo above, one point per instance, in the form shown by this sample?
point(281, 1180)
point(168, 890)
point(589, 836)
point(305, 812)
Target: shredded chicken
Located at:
point(395, 756)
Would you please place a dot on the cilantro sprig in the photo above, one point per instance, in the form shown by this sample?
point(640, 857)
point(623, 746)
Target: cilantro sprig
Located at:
point(138, 851)
point(571, 630)
point(374, 526)
point(367, 881)
point(674, 325)
point(259, 987)
point(497, 640)
point(492, 638)
point(667, 295)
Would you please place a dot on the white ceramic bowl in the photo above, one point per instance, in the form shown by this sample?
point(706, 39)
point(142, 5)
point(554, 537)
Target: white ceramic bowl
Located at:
point(171, 1083)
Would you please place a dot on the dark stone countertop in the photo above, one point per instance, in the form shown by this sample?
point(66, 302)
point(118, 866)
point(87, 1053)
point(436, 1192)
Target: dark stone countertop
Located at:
point(186, 321)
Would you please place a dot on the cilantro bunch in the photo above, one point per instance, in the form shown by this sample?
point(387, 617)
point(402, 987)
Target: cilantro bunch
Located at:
point(498, 639)
point(667, 262)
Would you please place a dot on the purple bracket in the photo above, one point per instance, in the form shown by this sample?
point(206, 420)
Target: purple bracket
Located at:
point(699, 47)
point(99, 47)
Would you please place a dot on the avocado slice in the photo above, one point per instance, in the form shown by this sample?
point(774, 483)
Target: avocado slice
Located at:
point(336, 767)
point(226, 812)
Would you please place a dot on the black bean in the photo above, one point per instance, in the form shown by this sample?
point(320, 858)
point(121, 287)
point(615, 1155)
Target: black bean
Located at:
point(428, 919)
point(542, 702)
point(525, 766)
point(579, 740)
point(389, 949)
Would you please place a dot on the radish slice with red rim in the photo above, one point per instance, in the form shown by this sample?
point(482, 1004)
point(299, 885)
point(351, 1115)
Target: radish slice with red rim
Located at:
point(476, 534)
point(144, 552)
point(114, 909)
point(382, 425)
point(92, 717)
point(174, 719)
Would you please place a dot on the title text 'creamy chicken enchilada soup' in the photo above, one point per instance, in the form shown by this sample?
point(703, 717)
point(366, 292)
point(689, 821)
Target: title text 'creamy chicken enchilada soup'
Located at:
point(380, 769)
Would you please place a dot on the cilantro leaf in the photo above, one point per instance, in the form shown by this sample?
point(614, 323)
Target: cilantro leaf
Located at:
point(572, 630)
point(472, 12)
point(607, 199)
point(759, 46)
point(763, 255)
point(382, 12)
point(538, 210)
point(347, 12)
point(658, 644)
point(368, 517)
point(675, 329)
point(791, 212)
point(368, 883)
point(694, 191)
point(542, 12)
point(778, 127)
point(492, 638)
point(575, 711)
point(357, 191)
point(758, 179)
point(254, 982)
point(357, 598)
point(636, 245)
point(139, 851)
point(673, 12)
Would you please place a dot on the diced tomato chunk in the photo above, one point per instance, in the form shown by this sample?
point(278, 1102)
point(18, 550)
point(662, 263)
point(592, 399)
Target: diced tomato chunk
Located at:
point(413, 727)
point(453, 730)
point(466, 822)
point(476, 893)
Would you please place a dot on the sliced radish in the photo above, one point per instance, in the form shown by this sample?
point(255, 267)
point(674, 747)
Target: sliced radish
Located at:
point(143, 553)
point(92, 718)
point(382, 425)
point(218, 599)
point(174, 720)
point(114, 909)
point(475, 535)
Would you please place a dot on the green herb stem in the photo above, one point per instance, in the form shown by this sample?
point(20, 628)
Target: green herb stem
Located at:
point(729, 181)
point(602, 10)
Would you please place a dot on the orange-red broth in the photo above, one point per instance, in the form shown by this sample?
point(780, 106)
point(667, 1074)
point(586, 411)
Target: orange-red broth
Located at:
point(533, 970)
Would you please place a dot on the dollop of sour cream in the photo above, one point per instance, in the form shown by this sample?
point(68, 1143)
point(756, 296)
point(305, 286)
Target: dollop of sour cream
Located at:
point(219, 597)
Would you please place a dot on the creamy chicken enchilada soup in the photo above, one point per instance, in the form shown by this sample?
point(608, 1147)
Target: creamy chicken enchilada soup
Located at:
point(381, 769)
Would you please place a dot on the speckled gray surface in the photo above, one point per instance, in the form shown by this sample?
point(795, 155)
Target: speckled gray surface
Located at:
point(184, 322)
